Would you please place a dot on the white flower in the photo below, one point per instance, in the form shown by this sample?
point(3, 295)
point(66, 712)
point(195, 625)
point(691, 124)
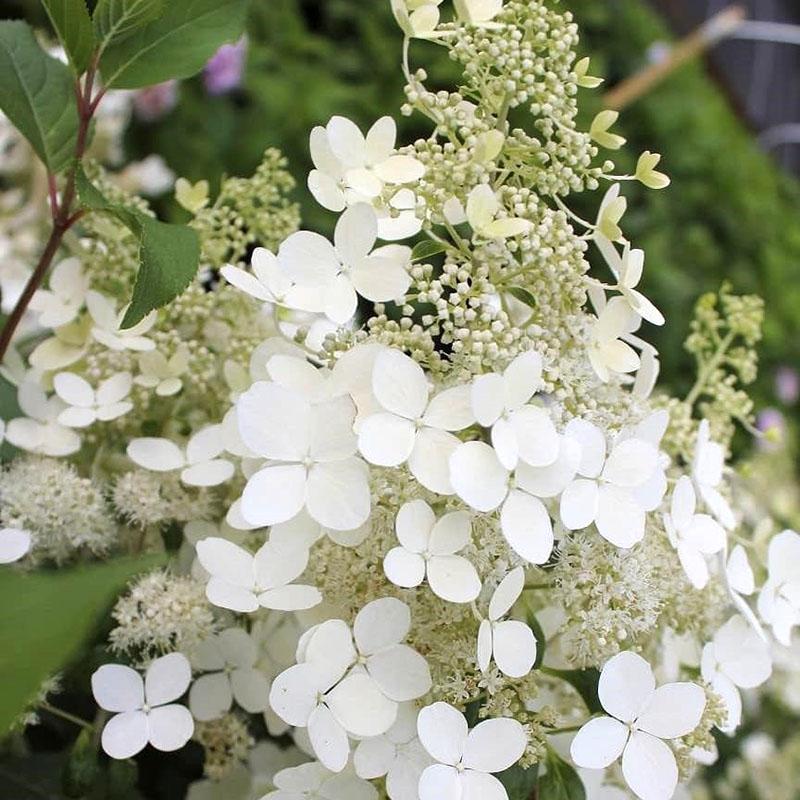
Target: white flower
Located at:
point(351, 683)
point(349, 266)
point(429, 547)
point(39, 431)
point(707, 467)
point(478, 12)
point(244, 582)
point(519, 430)
point(466, 758)
point(779, 599)
point(14, 544)
point(162, 374)
point(229, 661)
point(351, 168)
point(107, 321)
point(736, 657)
point(694, 536)
point(198, 462)
point(739, 573)
point(641, 716)
point(314, 782)
point(484, 484)
point(511, 642)
point(606, 491)
point(60, 304)
point(482, 210)
point(607, 352)
point(144, 709)
point(398, 755)
point(411, 427)
point(417, 18)
point(269, 283)
point(87, 406)
point(312, 464)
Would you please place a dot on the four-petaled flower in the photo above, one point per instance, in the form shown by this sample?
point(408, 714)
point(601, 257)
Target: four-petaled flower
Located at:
point(60, 304)
point(87, 405)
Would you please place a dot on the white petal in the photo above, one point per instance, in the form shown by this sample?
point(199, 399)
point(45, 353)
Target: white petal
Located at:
point(14, 544)
point(117, 688)
point(429, 461)
point(399, 384)
point(296, 597)
point(743, 655)
point(274, 494)
point(274, 421)
point(386, 439)
point(380, 140)
point(630, 463)
point(356, 232)
point(482, 205)
point(380, 624)
point(684, 502)
point(487, 398)
point(332, 437)
point(114, 389)
point(440, 782)
point(401, 673)
point(538, 442)
point(481, 786)
point(579, 504)
point(74, 390)
point(450, 410)
point(225, 560)
point(347, 142)
point(360, 706)
point(453, 578)
point(626, 685)
point(739, 571)
point(527, 527)
point(167, 678)
point(514, 648)
point(649, 767)
point(329, 739)
point(732, 700)
point(522, 379)
point(706, 534)
point(380, 279)
point(443, 732)
point(507, 593)
point(308, 259)
point(246, 282)
point(494, 745)
point(477, 476)
point(231, 596)
point(279, 562)
point(599, 743)
point(338, 494)
point(158, 455)
point(400, 169)
point(208, 473)
point(450, 534)
point(593, 446)
point(293, 695)
point(210, 696)
point(170, 727)
point(74, 417)
point(551, 480)
point(674, 710)
point(620, 519)
point(485, 643)
point(694, 565)
point(404, 568)
point(125, 734)
point(322, 155)
point(413, 525)
point(373, 757)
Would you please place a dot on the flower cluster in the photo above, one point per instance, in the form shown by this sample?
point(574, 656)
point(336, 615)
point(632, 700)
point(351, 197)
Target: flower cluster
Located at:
point(415, 479)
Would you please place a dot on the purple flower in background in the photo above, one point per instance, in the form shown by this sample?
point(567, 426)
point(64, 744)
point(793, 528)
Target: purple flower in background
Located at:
point(154, 102)
point(772, 424)
point(787, 385)
point(224, 69)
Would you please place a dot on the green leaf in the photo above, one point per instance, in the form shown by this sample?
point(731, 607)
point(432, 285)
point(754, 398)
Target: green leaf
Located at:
point(36, 94)
point(45, 617)
point(72, 23)
point(168, 256)
point(176, 45)
point(115, 20)
point(520, 783)
point(561, 781)
point(426, 249)
point(584, 682)
point(523, 295)
point(541, 640)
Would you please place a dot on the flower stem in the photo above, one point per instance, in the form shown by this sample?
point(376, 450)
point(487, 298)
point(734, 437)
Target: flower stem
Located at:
point(58, 712)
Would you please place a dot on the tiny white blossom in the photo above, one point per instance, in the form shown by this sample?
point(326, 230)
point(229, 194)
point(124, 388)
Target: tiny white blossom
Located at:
point(736, 657)
point(779, 599)
point(428, 547)
point(640, 718)
point(478, 12)
point(693, 535)
point(608, 353)
point(158, 372)
point(107, 322)
point(87, 405)
point(228, 660)
point(511, 642)
point(60, 304)
point(198, 462)
point(348, 267)
point(466, 758)
point(145, 710)
point(413, 428)
point(482, 211)
point(244, 582)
